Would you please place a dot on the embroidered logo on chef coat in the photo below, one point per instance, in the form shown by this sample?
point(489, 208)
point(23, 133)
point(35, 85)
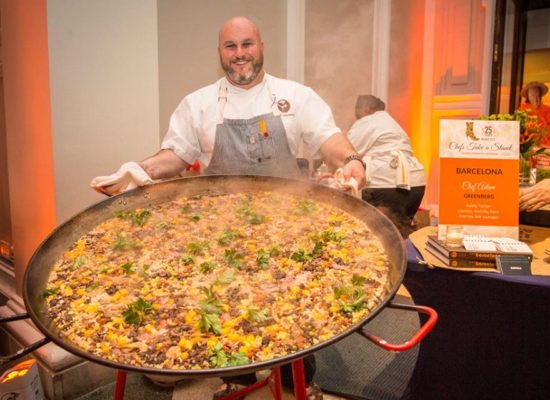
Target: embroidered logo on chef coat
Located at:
point(283, 105)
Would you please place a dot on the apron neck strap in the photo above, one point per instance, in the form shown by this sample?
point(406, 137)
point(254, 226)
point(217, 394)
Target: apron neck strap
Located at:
point(222, 100)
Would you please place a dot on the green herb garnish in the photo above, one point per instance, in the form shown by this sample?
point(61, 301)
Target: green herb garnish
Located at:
point(358, 280)
point(197, 248)
point(49, 292)
point(262, 259)
point(135, 312)
point(138, 218)
point(246, 212)
point(255, 315)
point(78, 262)
point(128, 268)
point(220, 359)
point(305, 207)
point(301, 255)
point(210, 323)
point(350, 298)
point(123, 243)
point(208, 266)
point(233, 258)
point(187, 260)
point(228, 236)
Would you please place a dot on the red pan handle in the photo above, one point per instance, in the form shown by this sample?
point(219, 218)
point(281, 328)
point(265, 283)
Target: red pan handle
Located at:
point(416, 338)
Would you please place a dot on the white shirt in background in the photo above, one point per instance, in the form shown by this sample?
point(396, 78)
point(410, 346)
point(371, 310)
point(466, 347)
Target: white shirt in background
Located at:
point(379, 139)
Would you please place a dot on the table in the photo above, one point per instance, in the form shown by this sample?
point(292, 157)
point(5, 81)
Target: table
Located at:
point(491, 340)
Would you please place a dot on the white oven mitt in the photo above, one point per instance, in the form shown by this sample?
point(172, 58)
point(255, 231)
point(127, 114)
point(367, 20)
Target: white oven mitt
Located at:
point(129, 176)
point(337, 182)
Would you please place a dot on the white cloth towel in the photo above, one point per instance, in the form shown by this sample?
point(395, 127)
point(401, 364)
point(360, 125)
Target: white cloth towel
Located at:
point(129, 176)
point(337, 182)
point(402, 172)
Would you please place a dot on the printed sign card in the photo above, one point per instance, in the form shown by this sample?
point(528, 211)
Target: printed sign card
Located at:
point(478, 184)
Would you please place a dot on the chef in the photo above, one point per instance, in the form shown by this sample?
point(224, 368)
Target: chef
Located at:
point(248, 122)
point(396, 179)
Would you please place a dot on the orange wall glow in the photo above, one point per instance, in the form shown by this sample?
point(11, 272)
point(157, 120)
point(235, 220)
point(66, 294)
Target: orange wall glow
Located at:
point(28, 126)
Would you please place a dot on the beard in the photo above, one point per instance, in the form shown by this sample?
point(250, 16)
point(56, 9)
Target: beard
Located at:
point(247, 77)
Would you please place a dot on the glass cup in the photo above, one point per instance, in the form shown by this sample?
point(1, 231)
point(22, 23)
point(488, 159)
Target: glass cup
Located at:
point(454, 236)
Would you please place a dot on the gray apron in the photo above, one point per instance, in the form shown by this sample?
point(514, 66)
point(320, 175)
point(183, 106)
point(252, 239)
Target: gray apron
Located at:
point(255, 146)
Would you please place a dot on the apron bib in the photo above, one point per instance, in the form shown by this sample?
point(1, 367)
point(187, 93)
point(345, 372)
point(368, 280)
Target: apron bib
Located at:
point(255, 146)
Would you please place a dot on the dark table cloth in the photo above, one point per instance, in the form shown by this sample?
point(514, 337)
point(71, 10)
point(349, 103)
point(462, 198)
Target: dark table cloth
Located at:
point(491, 340)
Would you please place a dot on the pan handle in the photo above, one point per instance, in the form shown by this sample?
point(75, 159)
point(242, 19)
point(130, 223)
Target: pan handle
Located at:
point(416, 338)
point(14, 317)
point(25, 350)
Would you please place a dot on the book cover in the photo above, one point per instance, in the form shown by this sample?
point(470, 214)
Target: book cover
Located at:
point(463, 263)
point(460, 253)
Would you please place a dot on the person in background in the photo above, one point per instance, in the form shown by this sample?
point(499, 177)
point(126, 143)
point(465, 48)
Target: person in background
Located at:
point(396, 180)
point(247, 122)
point(535, 197)
point(533, 93)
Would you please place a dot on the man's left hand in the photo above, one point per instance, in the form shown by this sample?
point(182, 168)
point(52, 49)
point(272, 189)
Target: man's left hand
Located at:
point(355, 169)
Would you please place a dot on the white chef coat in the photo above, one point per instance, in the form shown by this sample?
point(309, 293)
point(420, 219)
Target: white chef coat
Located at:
point(381, 142)
point(192, 128)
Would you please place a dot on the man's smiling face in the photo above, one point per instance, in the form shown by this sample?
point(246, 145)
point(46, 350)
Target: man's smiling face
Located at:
point(241, 52)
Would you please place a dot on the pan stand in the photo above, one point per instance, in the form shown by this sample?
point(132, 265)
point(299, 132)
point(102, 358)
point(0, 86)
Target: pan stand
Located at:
point(273, 380)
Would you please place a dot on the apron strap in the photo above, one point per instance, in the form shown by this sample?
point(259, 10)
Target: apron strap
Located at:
point(222, 100)
point(399, 162)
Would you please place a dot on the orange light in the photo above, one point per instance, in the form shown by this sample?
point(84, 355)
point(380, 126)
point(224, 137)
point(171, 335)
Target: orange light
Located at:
point(18, 371)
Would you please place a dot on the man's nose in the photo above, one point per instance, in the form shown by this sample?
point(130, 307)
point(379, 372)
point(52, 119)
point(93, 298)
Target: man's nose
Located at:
point(239, 51)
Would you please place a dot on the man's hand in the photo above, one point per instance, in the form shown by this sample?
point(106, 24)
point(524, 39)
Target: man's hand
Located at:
point(355, 169)
point(129, 176)
point(163, 165)
point(535, 197)
point(335, 150)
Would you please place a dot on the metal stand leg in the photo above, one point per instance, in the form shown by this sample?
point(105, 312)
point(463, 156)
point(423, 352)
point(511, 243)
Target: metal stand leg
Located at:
point(299, 378)
point(120, 385)
point(276, 388)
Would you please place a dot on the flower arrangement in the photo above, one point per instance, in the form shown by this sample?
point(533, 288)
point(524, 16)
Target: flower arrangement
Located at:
point(531, 130)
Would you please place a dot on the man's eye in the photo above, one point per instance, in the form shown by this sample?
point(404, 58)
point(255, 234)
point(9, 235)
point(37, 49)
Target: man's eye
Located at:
point(230, 46)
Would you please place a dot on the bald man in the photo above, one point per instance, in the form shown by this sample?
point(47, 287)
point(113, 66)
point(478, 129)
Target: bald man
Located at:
point(248, 122)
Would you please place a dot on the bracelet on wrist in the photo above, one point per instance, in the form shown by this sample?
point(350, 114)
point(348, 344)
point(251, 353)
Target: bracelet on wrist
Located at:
point(355, 157)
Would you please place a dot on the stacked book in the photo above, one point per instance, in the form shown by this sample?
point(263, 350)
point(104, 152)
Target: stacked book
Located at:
point(460, 257)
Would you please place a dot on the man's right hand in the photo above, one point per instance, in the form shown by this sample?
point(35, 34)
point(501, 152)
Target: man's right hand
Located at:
point(129, 176)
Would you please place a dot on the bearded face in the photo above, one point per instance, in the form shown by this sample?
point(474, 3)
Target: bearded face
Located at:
point(243, 70)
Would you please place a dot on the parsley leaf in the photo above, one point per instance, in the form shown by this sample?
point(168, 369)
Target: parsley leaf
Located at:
point(135, 312)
